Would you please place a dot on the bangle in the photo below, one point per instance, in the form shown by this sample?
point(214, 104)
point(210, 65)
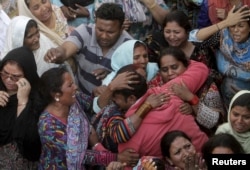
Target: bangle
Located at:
point(21, 104)
point(194, 100)
point(143, 110)
point(152, 6)
point(218, 28)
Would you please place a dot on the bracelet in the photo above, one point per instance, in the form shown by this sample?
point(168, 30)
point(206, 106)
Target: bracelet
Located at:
point(152, 6)
point(144, 109)
point(194, 100)
point(218, 28)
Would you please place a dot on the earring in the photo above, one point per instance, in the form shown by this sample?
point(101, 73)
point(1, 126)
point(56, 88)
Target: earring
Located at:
point(57, 99)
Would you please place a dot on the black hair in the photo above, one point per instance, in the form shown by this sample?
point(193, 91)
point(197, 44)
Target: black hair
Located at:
point(224, 140)
point(51, 82)
point(176, 52)
point(159, 163)
point(110, 11)
point(31, 24)
point(243, 101)
point(139, 89)
point(180, 18)
point(168, 139)
point(244, 9)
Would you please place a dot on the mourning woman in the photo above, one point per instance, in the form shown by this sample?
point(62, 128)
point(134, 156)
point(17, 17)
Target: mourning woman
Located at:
point(19, 139)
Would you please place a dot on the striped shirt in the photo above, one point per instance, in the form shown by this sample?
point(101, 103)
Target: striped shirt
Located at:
point(90, 56)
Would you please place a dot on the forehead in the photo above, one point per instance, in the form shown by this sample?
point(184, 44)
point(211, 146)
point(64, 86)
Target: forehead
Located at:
point(242, 110)
point(12, 67)
point(173, 24)
point(168, 60)
point(108, 25)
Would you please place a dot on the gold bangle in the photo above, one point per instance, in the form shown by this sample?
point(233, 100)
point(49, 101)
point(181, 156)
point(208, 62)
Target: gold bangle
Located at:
point(144, 109)
point(153, 5)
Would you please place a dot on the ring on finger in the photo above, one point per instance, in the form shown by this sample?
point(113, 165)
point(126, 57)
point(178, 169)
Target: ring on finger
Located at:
point(162, 100)
point(129, 82)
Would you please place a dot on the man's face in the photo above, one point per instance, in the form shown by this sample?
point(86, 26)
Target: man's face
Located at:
point(122, 103)
point(107, 32)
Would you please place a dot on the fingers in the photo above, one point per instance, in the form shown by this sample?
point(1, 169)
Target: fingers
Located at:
point(4, 98)
point(185, 108)
point(50, 55)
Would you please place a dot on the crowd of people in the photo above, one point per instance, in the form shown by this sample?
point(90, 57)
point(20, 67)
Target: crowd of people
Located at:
point(109, 84)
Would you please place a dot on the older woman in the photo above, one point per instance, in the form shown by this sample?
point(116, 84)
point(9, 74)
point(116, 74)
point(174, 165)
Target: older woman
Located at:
point(19, 139)
point(63, 125)
point(24, 31)
point(50, 19)
point(168, 117)
point(130, 52)
point(52, 23)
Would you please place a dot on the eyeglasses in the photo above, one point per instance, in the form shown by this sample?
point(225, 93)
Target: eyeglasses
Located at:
point(5, 75)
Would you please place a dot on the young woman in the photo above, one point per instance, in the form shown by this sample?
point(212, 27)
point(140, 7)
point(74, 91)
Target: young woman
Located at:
point(231, 42)
point(238, 123)
point(24, 31)
point(20, 146)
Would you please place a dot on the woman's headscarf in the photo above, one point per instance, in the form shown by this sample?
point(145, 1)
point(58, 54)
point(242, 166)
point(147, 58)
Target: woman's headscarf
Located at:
point(24, 10)
point(15, 33)
point(242, 138)
point(123, 56)
point(25, 58)
point(15, 38)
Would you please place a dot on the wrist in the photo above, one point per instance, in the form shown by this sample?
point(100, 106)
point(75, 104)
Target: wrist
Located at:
point(111, 88)
point(144, 109)
point(194, 100)
point(152, 5)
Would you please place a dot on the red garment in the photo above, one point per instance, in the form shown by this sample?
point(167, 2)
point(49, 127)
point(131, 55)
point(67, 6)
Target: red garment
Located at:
point(225, 4)
point(146, 141)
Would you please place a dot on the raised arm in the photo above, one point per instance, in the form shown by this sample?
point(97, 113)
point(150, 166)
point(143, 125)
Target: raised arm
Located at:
point(61, 53)
point(157, 11)
point(232, 19)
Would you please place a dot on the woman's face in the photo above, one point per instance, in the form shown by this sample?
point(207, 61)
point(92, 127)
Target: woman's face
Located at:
point(140, 56)
point(240, 32)
point(68, 89)
point(41, 9)
point(175, 35)
point(222, 150)
point(179, 150)
point(240, 119)
point(171, 68)
point(10, 74)
point(31, 40)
